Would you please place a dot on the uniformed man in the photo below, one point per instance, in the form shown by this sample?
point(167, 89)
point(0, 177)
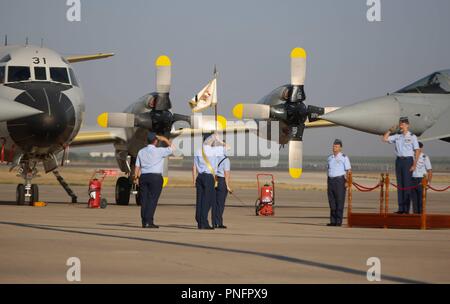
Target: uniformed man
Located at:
point(204, 179)
point(338, 170)
point(148, 172)
point(407, 151)
point(423, 167)
point(223, 187)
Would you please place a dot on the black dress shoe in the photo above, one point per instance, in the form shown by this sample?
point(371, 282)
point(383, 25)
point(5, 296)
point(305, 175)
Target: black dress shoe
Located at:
point(149, 226)
point(206, 228)
point(338, 225)
point(331, 224)
point(399, 212)
point(220, 227)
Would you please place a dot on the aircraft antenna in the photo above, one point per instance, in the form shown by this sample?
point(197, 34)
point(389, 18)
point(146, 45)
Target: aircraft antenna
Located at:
point(6, 40)
point(26, 41)
point(42, 42)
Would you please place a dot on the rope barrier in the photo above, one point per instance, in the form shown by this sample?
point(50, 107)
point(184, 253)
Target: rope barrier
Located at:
point(438, 190)
point(364, 188)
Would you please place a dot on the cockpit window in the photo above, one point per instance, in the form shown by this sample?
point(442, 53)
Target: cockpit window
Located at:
point(2, 74)
point(18, 73)
point(436, 83)
point(73, 78)
point(59, 75)
point(40, 73)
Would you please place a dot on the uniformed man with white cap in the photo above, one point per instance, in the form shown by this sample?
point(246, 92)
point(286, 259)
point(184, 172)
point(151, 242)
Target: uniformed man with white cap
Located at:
point(204, 179)
point(338, 169)
point(423, 167)
point(148, 171)
point(407, 151)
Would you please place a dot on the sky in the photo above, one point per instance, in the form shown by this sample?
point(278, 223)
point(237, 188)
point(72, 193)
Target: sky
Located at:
point(349, 58)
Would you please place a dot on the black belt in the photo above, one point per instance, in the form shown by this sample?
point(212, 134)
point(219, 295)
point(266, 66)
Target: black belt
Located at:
point(219, 176)
point(159, 174)
point(404, 157)
point(336, 177)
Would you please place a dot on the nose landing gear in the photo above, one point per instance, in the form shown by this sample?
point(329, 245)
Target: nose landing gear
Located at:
point(28, 192)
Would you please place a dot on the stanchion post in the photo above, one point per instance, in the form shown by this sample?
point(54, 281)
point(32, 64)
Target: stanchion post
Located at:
point(424, 202)
point(350, 198)
point(386, 199)
point(381, 193)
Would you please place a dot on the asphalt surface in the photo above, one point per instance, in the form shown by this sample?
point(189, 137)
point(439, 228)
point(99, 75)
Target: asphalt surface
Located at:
point(294, 246)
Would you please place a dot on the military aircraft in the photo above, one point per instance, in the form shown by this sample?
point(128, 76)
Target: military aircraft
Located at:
point(42, 109)
point(425, 102)
point(151, 112)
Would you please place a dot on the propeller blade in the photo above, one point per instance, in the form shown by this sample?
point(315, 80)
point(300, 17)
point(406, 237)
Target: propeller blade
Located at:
point(124, 120)
point(165, 171)
point(298, 66)
point(295, 158)
point(116, 120)
point(251, 111)
point(163, 74)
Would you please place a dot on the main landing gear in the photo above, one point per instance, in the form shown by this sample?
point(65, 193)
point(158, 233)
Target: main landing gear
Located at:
point(124, 188)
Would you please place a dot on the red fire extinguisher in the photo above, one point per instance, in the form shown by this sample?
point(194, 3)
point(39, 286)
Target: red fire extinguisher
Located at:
point(95, 194)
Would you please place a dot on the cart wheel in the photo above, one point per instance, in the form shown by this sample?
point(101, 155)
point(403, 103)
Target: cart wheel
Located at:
point(103, 203)
point(257, 203)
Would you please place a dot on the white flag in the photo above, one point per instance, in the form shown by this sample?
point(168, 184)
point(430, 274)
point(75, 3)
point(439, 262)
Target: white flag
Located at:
point(207, 97)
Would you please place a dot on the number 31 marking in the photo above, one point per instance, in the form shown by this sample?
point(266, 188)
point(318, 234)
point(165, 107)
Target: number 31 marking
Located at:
point(37, 60)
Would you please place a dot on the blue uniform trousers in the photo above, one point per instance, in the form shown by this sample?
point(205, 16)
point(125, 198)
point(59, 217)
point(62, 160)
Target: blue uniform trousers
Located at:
point(206, 197)
point(219, 206)
point(336, 198)
point(150, 186)
point(417, 195)
point(404, 180)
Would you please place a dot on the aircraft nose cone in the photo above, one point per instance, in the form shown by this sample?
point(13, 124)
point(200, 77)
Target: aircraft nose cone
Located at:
point(52, 127)
point(373, 116)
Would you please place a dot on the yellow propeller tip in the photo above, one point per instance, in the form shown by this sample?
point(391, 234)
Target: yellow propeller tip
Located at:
point(102, 120)
point(298, 53)
point(163, 60)
point(165, 181)
point(295, 172)
point(221, 122)
point(238, 110)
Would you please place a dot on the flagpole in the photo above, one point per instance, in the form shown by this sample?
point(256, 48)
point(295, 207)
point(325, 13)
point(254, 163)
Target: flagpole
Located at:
point(215, 105)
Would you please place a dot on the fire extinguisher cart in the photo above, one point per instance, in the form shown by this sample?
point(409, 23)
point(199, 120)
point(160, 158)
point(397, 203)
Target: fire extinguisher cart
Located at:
point(95, 188)
point(265, 202)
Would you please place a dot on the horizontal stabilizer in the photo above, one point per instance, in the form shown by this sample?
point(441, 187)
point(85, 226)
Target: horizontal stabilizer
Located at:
point(11, 110)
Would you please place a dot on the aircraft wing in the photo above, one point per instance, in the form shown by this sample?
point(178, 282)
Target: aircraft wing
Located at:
point(440, 130)
point(79, 58)
point(98, 136)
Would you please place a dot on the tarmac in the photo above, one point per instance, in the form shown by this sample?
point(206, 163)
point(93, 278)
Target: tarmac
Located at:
point(294, 246)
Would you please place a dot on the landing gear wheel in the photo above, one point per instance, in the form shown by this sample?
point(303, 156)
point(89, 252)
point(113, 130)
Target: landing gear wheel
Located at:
point(138, 197)
point(20, 194)
point(257, 206)
point(103, 203)
point(34, 194)
point(123, 188)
